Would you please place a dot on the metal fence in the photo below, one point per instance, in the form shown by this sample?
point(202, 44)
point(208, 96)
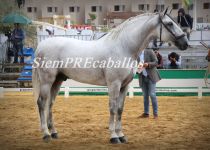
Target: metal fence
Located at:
point(79, 37)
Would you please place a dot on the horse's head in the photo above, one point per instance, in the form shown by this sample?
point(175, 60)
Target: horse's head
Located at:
point(170, 31)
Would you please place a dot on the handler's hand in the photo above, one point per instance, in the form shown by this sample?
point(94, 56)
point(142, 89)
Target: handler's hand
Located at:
point(146, 65)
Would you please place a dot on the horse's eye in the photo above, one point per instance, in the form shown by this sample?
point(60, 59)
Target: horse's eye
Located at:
point(170, 24)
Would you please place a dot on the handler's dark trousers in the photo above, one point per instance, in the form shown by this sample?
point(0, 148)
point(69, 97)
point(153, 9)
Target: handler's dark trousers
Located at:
point(18, 47)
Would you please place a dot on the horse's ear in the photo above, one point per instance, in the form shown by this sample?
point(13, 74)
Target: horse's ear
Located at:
point(165, 12)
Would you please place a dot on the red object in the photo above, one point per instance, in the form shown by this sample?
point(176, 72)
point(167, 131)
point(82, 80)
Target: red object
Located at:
point(80, 27)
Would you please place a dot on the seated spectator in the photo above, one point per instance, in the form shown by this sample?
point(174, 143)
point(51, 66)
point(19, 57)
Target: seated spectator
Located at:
point(50, 30)
point(174, 61)
point(208, 56)
point(185, 21)
point(159, 57)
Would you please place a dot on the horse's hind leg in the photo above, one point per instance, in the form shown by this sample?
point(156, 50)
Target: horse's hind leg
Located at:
point(118, 125)
point(54, 91)
point(43, 105)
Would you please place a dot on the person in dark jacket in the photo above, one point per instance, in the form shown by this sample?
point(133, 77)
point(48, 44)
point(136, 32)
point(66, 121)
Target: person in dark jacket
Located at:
point(185, 21)
point(159, 58)
point(17, 38)
point(208, 56)
point(174, 61)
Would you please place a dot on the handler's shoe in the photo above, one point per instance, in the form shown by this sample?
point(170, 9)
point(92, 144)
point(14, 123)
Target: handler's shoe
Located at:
point(155, 116)
point(144, 115)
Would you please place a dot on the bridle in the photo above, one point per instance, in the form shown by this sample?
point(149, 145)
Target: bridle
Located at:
point(167, 28)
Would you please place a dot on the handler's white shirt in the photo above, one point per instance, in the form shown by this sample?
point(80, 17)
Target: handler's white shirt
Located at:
point(144, 72)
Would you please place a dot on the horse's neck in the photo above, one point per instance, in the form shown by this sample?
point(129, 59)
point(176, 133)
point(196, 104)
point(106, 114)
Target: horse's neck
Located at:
point(139, 35)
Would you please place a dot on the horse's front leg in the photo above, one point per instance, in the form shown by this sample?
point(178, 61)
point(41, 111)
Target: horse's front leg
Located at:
point(114, 89)
point(120, 102)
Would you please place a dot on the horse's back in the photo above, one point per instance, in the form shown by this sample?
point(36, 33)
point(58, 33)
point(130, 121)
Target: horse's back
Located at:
point(73, 47)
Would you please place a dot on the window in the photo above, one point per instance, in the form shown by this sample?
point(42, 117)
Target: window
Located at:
point(35, 9)
point(49, 9)
point(141, 7)
point(144, 7)
point(206, 5)
point(71, 9)
point(119, 7)
point(96, 8)
point(74, 9)
point(175, 6)
point(160, 7)
point(116, 8)
point(56, 9)
point(29, 9)
point(93, 8)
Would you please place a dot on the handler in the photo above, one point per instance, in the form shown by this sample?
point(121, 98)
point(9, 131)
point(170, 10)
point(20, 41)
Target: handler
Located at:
point(147, 80)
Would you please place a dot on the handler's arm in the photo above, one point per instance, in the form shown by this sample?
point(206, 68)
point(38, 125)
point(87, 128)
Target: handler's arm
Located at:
point(154, 60)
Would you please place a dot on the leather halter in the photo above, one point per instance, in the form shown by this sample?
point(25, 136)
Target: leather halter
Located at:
point(169, 30)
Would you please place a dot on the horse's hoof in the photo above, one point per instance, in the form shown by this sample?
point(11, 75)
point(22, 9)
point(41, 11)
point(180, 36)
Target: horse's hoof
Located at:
point(54, 135)
point(115, 141)
point(123, 139)
point(46, 138)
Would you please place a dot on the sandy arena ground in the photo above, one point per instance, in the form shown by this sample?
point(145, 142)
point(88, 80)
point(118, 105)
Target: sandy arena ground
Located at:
point(82, 123)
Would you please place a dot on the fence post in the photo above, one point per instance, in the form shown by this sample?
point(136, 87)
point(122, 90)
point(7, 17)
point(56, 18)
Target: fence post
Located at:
point(131, 91)
point(1, 92)
point(199, 92)
point(66, 91)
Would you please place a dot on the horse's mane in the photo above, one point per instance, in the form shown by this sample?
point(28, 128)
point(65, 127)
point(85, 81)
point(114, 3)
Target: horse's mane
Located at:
point(116, 31)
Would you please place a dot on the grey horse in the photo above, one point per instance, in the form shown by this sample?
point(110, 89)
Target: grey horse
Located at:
point(126, 40)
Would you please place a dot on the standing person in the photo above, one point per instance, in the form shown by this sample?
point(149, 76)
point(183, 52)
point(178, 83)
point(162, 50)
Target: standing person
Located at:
point(159, 58)
point(147, 80)
point(185, 21)
point(17, 38)
point(174, 61)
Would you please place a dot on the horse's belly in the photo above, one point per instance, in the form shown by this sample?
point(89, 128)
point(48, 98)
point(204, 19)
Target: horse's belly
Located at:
point(89, 76)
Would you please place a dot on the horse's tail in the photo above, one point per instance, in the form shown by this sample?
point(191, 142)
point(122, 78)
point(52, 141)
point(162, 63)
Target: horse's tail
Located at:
point(36, 83)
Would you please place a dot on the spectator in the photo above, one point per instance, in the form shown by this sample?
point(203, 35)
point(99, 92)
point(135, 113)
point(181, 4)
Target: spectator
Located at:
point(50, 30)
point(159, 58)
point(208, 56)
point(185, 21)
point(17, 38)
point(147, 81)
point(174, 61)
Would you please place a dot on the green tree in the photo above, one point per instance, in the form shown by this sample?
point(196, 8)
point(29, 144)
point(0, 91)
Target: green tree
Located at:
point(92, 17)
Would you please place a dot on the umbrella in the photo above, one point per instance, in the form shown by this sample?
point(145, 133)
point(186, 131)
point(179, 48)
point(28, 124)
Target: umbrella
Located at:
point(16, 18)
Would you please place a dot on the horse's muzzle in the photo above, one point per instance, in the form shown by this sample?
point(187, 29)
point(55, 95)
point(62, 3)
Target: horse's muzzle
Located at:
point(182, 43)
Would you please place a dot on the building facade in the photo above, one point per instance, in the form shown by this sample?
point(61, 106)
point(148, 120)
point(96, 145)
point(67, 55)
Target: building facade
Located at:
point(80, 11)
